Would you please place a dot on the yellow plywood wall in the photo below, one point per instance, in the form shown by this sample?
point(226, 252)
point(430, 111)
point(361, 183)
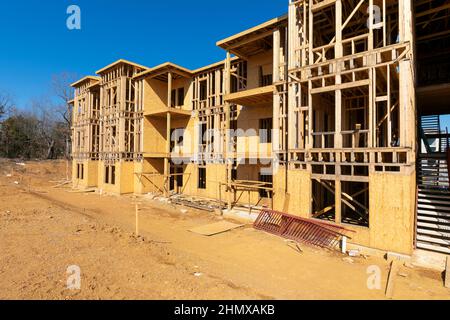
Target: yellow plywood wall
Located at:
point(392, 211)
point(92, 173)
point(186, 84)
point(248, 120)
point(90, 179)
point(392, 208)
point(155, 95)
point(190, 180)
point(124, 178)
point(75, 181)
point(215, 173)
point(107, 187)
point(297, 199)
point(189, 145)
point(254, 63)
point(150, 183)
point(249, 172)
point(155, 135)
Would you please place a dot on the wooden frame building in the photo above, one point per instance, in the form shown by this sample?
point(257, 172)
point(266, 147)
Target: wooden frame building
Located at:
point(316, 113)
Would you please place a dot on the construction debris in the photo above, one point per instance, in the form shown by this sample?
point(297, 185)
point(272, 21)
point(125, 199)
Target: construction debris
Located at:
point(349, 260)
point(299, 229)
point(392, 256)
point(354, 253)
point(62, 184)
point(191, 202)
point(84, 191)
point(294, 245)
point(216, 228)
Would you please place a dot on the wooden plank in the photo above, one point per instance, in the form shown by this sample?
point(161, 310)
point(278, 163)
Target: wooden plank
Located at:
point(391, 279)
point(216, 228)
point(447, 273)
point(342, 86)
point(322, 5)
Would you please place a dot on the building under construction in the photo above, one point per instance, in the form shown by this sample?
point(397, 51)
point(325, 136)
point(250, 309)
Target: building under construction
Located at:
point(332, 112)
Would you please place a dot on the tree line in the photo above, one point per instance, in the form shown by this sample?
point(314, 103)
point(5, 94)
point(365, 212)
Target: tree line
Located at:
point(43, 129)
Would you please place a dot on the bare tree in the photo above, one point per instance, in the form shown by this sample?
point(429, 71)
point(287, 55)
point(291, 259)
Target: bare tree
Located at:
point(6, 104)
point(42, 110)
point(61, 88)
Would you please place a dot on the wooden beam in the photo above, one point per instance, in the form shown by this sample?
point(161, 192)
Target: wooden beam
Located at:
point(391, 279)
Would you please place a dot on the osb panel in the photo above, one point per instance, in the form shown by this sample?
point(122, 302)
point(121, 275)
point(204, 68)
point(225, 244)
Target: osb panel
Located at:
point(101, 180)
point(249, 173)
point(126, 177)
point(155, 95)
point(215, 173)
point(90, 174)
point(149, 183)
point(297, 199)
point(248, 121)
point(392, 203)
point(254, 63)
point(186, 84)
point(190, 180)
point(155, 135)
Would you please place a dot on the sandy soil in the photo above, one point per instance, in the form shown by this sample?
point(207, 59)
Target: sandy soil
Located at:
point(44, 230)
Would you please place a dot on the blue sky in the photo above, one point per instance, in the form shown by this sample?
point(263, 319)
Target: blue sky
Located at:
point(35, 42)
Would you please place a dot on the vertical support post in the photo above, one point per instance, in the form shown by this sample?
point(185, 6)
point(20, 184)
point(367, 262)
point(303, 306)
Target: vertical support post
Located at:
point(338, 199)
point(121, 92)
point(407, 82)
point(310, 60)
point(169, 89)
point(168, 138)
point(167, 157)
point(338, 111)
point(371, 19)
point(228, 127)
point(137, 219)
point(276, 55)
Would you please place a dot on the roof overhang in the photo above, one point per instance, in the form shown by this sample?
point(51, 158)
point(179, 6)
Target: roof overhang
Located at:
point(92, 79)
point(162, 71)
point(118, 62)
point(212, 66)
point(253, 41)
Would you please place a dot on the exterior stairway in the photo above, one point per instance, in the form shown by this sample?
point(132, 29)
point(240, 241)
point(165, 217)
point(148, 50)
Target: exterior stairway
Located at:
point(433, 206)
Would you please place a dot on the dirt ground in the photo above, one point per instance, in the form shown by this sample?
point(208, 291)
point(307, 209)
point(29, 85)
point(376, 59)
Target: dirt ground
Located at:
point(44, 230)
